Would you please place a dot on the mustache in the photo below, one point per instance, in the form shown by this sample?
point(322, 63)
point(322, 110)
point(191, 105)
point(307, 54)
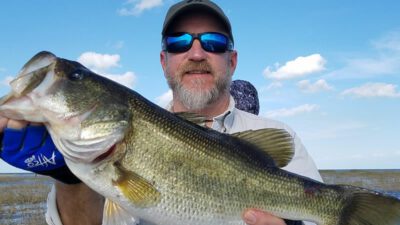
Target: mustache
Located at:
point(192, 66)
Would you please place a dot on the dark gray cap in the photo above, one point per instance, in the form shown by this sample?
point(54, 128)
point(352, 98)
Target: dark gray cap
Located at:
point(197, 5)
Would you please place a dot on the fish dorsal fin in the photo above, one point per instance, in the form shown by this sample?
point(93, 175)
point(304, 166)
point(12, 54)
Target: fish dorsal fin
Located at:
point(277, 143)
point(193, 117)
point(113, 214)
point(135, 188)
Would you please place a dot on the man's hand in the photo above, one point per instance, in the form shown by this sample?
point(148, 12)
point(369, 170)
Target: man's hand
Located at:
point(29, 147)
point(257, 217)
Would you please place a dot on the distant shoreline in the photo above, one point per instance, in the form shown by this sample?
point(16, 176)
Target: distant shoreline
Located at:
point(376, 179)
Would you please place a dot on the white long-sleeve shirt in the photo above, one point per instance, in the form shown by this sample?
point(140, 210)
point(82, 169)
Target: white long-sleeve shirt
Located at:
point(231, 121)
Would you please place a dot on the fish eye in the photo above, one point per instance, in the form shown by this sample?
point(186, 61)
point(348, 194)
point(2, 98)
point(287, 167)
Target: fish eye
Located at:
point(76, 75)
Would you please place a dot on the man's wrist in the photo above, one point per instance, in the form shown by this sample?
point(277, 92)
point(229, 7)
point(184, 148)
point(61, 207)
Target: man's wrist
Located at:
point(62, 174)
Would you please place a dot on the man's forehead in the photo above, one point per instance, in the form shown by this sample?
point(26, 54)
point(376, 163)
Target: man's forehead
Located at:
point(192, 21)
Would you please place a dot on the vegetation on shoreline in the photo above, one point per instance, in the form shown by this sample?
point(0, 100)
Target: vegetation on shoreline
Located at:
point(22, 199)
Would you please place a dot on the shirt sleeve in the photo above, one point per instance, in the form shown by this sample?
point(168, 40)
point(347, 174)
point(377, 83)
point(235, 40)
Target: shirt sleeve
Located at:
point(302, 163)
point(52, 216)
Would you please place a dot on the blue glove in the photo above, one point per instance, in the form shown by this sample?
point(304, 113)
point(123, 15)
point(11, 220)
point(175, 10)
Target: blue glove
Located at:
point(33, 150)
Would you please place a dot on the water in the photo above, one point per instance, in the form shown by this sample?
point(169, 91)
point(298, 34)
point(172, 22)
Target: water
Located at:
point(385, 181)
point(393, 193)
point(23, 179)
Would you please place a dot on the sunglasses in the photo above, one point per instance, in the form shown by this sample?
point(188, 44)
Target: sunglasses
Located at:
point(210, 42)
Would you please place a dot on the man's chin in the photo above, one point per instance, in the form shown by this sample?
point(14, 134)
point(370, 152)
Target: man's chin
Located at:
point(196, 99)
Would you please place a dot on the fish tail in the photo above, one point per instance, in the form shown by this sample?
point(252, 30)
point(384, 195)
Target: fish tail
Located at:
point(365, 207)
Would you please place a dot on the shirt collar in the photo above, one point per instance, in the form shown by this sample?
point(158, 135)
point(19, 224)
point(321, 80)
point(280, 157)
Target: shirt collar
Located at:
point(222, 122)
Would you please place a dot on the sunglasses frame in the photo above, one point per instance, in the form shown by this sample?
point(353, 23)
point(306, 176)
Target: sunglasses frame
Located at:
point(228, 47)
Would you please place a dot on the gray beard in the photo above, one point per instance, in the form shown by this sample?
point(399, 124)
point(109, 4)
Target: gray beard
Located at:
point(198, 98)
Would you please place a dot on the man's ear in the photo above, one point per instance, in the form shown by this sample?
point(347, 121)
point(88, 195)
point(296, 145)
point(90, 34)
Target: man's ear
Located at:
point(163, 59)
point(233, 58)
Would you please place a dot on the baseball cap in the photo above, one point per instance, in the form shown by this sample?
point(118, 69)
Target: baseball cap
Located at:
point(197, 5)
point(245, 96)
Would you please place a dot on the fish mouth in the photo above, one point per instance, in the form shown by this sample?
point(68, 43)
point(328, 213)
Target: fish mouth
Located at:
point(32, 81)
point(33, 73)
point(105, 155)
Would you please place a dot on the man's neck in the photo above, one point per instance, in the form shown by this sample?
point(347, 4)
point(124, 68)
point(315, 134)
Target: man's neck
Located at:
point(210, 111)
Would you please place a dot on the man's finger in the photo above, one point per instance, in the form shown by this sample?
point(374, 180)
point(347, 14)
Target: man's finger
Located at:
point(3, 123)
point(257, 217)
point(17, 124)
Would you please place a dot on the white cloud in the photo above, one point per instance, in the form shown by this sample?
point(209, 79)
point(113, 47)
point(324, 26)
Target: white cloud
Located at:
point(361, 68)
point(299, 67)
point(319, 85)
point(292, 111)
point(119, 44)
point(335, 130)
point(164, 99)
point(6, 81)
point(136, 7)
point(374, 90)
point(127, 79)
point(384, 62)
point(99, 62)
point(274, 85)
point(390, 42)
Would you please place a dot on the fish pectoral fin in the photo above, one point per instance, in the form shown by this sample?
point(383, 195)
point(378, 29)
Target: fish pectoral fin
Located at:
point(113, 214)
point(276, 143)
point(137, 189)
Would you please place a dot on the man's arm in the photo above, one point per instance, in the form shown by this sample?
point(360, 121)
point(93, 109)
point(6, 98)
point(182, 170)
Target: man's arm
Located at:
point(78, 204)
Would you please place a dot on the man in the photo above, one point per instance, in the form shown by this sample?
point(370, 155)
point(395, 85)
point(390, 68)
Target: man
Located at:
point(198, 62)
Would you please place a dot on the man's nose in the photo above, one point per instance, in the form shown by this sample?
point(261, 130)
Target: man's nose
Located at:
point(196, 52)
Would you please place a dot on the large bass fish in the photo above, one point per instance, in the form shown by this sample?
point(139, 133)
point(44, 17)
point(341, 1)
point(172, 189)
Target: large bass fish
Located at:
point(164, 169)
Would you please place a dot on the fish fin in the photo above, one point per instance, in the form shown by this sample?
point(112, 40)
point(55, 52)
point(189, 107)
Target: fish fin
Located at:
point(276, 143)
point(369, 207)
point(113, 214)
point(137, 189)
point(193, 117)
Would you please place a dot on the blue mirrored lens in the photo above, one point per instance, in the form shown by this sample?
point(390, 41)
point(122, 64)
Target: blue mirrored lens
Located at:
point(214, 42)
point(180, 43)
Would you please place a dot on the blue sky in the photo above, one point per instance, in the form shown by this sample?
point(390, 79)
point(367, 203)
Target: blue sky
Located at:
point(329, 69)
